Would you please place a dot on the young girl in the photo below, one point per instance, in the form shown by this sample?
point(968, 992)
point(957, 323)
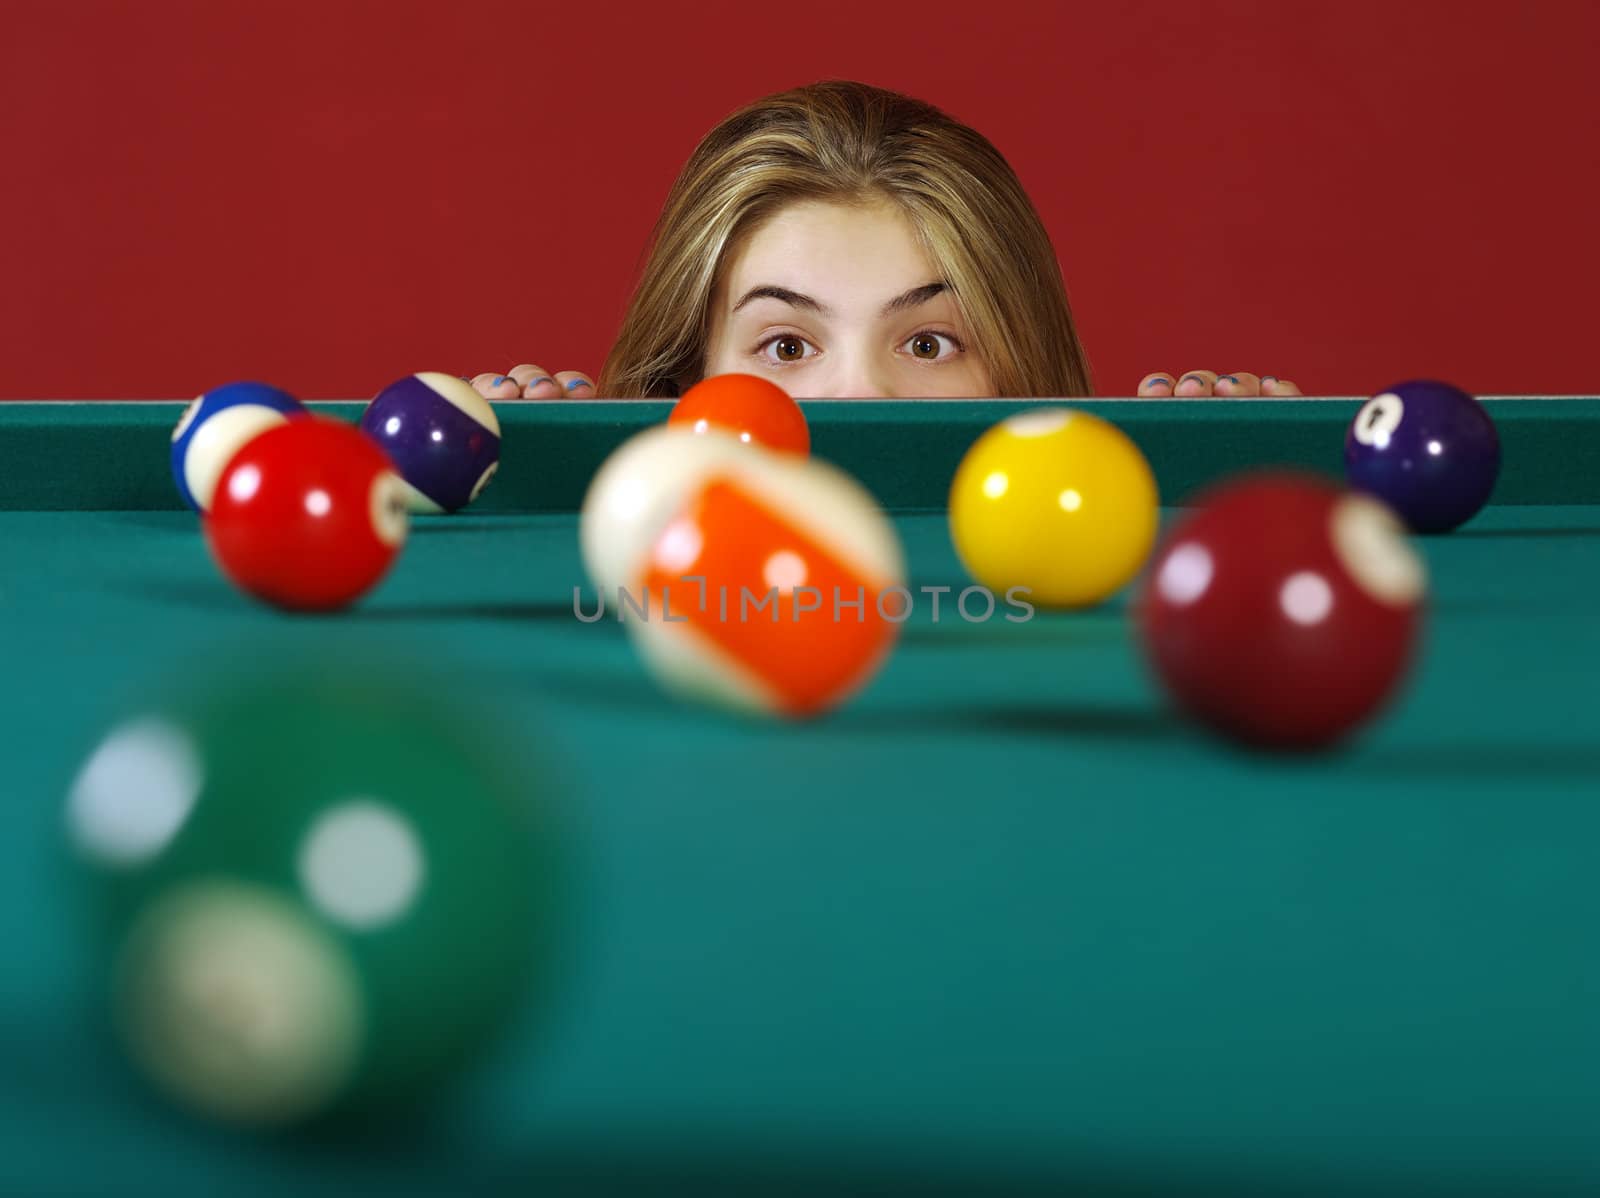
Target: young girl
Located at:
point(847, 241)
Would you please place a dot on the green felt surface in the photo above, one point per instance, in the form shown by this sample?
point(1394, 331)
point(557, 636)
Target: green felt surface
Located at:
point(1003, 925)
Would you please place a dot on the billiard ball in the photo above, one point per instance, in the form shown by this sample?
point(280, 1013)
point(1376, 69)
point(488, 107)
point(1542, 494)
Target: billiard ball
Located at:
point(308, 515)
point(753, 409)
point(313, 894)
point(635, 491)
point(775, 588)
point(1282, 611)
point(1428, 450)
point(442, 436)
point(1058, 502)
point(215, 425)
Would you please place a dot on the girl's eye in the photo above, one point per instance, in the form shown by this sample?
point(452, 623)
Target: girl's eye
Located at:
point(789, 348)
point(925, 345)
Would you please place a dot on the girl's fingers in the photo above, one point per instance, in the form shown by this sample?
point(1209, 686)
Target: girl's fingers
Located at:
point(1195, 383)
point(1238, 385)
point(535, 381)
point(575, 384)
point(495, 386)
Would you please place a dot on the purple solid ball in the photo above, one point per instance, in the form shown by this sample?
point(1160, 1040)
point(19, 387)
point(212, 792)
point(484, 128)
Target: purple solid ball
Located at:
point(1428, 450)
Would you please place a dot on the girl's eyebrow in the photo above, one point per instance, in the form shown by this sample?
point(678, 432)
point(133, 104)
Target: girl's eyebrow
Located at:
point(911, 299)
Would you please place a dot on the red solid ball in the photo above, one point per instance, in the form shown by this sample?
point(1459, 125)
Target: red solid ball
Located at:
point(308, 515)
point(1282, 611)
point(747, 406)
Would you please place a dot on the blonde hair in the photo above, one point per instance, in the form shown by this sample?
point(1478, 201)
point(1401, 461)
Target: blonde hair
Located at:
point(849, 142)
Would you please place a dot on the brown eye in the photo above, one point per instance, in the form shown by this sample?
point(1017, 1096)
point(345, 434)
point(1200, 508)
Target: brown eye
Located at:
point(790, 349)
point(925, 345)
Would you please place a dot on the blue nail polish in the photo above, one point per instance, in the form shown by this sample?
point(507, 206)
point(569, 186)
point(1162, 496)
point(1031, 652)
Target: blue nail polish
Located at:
point(1228, 378)
point(539, 382)
point(576, 383)
point(498, 379)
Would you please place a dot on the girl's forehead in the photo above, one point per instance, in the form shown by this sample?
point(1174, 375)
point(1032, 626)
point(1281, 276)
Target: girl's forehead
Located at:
point(830, 220)
point(842, 249)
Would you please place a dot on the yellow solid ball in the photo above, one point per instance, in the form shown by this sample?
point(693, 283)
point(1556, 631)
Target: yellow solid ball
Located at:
point(1060, 502)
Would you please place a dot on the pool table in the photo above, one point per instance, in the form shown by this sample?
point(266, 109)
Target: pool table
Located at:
point(1004, 924)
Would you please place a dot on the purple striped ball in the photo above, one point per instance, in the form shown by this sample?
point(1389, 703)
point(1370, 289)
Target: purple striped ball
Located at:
point(442, 436)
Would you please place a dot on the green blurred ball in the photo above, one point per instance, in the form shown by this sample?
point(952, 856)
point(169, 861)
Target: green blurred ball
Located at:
point(322, 892)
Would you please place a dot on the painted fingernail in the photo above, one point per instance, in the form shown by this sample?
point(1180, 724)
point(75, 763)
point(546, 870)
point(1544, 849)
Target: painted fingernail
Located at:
point(498, 379)
point(576, 383)
point(1160, 383)
point(539, 382)
point(1228, 378)
point(1269, 378)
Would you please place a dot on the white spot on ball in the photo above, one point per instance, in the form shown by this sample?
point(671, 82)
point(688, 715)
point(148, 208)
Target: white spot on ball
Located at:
point(218, 438)
point(483, 481)
point(135, 793)
point(1371, 544)
point(388, 508)
point(362, 864)
point(244, 482)
point(680, 545)
point(462, 396)
point(628, 499)
point(1185, 574)
point(1306, 598)
point(1378, 418)
point(1038, 424)
point(318, 503)
point(785, 570)
point(235, 1000)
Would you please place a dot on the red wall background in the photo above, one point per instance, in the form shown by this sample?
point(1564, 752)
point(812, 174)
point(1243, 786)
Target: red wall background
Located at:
point(329, 194)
